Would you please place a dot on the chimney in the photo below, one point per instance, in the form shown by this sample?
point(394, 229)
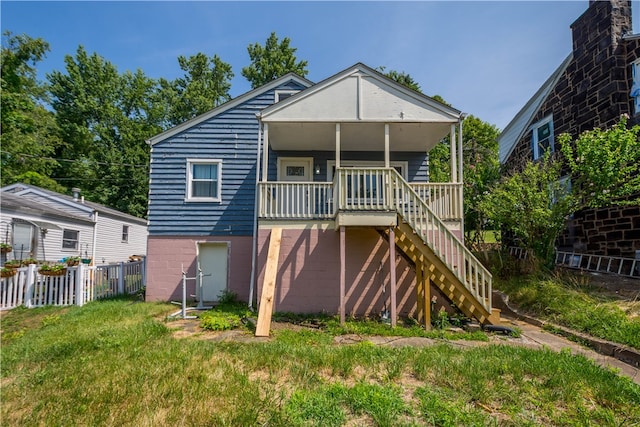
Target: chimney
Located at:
point(76, 193)
point(599, 29)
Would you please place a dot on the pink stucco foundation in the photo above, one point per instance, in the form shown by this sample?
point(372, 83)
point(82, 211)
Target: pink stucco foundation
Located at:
point(308, 278)
point(167, 256)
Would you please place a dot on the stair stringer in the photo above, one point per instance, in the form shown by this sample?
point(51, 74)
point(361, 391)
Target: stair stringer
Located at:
point(441, 275)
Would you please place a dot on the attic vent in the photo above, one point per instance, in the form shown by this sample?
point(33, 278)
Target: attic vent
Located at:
point(76, 194)
point(284, 94)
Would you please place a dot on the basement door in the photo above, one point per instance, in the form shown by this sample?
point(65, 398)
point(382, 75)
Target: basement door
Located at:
point(213, 259)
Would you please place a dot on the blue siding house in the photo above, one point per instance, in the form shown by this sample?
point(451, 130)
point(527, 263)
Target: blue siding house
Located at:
point(314, 197)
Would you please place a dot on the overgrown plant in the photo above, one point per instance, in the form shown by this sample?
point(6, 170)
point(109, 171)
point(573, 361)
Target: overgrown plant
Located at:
point(605, 165)
point(532, 204)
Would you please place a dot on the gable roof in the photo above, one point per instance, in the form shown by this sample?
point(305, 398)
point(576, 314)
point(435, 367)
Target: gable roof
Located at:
point(520, 124)
point(229, 105)
point(28, 191)
point(369, 97)
point(32, 207)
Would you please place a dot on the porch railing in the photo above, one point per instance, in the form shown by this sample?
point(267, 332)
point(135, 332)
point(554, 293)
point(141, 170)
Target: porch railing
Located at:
point(77, 286)
point(295, 200)
point(443, 198)
point(383, 188)
point(315, 200)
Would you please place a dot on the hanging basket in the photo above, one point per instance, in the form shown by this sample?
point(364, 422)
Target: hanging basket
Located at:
point(53, 272)
point(8, 272)
point(5, 250)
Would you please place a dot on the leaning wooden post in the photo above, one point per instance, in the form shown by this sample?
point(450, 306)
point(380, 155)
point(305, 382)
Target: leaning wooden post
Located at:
point(265, 309)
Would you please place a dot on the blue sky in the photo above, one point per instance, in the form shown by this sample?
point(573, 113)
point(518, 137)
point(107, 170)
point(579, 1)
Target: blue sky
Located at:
point(485, 58)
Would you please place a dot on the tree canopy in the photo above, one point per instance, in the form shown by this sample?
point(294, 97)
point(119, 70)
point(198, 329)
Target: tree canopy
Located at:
point(271, 61)
point(29, 133)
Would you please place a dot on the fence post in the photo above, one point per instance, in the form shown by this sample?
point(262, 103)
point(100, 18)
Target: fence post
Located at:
point(80, 284)
point(143, 271)
point(120, 278)
point(29, 285)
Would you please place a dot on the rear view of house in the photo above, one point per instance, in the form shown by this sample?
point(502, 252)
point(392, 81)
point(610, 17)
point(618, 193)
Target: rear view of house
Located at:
point(315, 197)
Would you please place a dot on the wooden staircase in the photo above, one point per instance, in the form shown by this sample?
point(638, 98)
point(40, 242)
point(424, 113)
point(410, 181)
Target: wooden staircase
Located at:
point(439, 255)
point(430, 269)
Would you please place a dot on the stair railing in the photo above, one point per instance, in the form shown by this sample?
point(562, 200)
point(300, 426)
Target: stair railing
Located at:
point(385, 189)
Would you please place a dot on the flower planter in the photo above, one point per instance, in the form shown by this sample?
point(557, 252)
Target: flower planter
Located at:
point(53, 272)
point(5, 250)
point(8, 273)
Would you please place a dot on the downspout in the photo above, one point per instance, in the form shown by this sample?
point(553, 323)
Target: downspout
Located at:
point(254, 238)
point(95, 237)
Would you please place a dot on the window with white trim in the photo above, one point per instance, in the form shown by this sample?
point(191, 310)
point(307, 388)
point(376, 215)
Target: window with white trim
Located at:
point(635, 88)
point(284, 94)
point(70, 239)
point(125, 234)
point(542, 137)
point(204, 180)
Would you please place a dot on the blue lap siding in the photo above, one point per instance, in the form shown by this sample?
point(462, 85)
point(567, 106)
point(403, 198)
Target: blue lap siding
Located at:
point(230, 136)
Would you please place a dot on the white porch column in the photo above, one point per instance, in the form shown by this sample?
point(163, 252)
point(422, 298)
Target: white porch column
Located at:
point(265, 156)
point(386, 145)
point(337, 145)
point(453, 157)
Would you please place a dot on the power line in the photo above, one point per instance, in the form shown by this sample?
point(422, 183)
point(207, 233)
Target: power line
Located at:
point(74, 160)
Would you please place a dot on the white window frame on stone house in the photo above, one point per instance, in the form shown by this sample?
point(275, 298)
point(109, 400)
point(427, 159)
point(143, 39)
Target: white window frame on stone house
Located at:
point(535, 137)
point(635, 87)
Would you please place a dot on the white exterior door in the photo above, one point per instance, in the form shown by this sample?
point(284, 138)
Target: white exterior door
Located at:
point(296, 198)
point(213, 259)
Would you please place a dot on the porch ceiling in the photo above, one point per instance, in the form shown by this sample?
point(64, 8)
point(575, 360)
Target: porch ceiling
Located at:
point(321, 136)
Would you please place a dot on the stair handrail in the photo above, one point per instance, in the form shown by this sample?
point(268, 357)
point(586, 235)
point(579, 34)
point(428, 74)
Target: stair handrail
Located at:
point(394, 193)
point(434, 232)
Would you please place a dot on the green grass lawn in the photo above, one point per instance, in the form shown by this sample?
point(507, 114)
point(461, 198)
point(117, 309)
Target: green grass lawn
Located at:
point(116, 362)
point(569, 301)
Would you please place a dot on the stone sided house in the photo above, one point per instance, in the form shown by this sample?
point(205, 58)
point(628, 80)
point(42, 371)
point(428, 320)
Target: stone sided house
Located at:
point(593, 87)
point(315, 197)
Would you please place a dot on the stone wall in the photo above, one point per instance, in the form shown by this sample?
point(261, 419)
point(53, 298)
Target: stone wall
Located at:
point(610, 231)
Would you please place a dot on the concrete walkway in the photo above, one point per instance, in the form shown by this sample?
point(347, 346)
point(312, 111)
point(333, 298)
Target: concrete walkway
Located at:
point(531, 337)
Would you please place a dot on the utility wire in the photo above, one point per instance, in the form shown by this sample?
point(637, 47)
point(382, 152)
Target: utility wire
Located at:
point(74, 160)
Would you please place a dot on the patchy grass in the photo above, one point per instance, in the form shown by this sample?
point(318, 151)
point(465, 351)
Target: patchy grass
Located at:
point(116, 362)
point(576, 305)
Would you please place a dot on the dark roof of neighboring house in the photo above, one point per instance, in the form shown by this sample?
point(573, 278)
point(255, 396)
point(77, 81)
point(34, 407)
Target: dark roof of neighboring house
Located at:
point(18, 188)
point(519, 125)
point(29, 206)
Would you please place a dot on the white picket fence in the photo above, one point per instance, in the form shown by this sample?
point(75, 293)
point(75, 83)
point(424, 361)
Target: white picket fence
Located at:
point(77, 286)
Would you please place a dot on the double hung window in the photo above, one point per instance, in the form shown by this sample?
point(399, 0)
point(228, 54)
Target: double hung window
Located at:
point(204, 180)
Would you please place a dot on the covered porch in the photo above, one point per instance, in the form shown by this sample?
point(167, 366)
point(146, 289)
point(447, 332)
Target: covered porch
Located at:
point(349, 154)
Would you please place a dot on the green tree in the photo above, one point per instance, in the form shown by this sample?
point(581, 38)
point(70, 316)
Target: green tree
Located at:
point(401, 77)
point(29, 135)
point(105, 118)
point(604, 165)
point(272, 61)
point(204, 86)
point(532, 205)
point(481, 169)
